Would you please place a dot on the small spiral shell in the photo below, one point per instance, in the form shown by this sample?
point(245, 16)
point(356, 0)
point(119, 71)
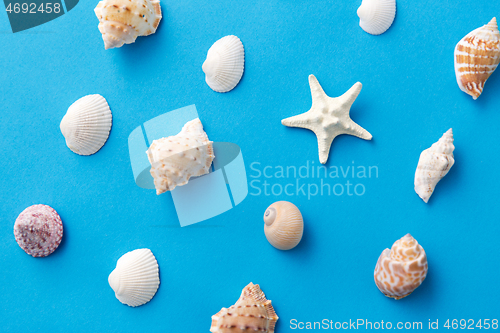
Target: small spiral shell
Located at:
point(400, 270)
point(283, 225)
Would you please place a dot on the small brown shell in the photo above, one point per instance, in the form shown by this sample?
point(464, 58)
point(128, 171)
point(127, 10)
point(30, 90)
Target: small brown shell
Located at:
point(252, 312)
point(283, 225)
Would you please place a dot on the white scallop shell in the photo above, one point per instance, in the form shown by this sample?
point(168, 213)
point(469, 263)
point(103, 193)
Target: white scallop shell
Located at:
point(433, 165)
point(135, 279)
point(121, 21)
point(86, 125)
point(376, 16)
point(224, 64)
point(175, 159)
point(283, 225)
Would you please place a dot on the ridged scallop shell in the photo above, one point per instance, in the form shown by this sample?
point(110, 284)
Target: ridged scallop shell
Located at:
point(135, 279)
point(251, 313)
point(376, 16)
point(86, 125)
point(433, 165)
point(400, 270)
point(283, 225)
point(175, 159)
point(224, 64)
point(121, 21)
point(38, 230)
point(477, 56)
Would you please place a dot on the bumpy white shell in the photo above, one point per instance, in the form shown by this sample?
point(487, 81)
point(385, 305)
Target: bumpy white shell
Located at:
point(135, 279)
point(400, 270)
point(376, 16)
point(224, 64)
point(283, 225)
point(433, 165)
point(121, 21)
point(477, 56)
point(86, 125)
point(175, 159)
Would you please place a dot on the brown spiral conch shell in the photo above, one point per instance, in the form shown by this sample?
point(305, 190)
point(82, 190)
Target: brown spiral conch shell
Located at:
point(401, 269)
point(477, 56)
point(283, 225)
point(252, 312)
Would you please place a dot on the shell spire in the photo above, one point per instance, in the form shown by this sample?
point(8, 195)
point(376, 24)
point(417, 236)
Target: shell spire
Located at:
point(434, 163)
point(476, 57)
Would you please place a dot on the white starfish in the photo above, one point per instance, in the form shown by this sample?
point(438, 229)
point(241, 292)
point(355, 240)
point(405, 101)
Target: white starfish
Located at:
point(329, 117)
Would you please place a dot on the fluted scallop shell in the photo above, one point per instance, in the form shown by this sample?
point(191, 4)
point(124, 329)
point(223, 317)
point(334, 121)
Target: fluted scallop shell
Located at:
point(38, 230)
point(135, 279)
point(400, 270)
point(122, 21)
point(224, 64)
point(175, 159)
point(376, 16)
point(252, 312)
point(86, 125)
point(477, 56)
point(283, 225)
point(433, 165)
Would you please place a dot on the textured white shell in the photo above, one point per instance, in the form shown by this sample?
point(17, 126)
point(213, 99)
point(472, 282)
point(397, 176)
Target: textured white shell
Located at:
point(175, 159)
point(224, 64)
point(433, 165)
point(86, 125)
point(135, 279)
point(283, 225)
point(121, 21)
point(400, 270)
point(376, 16)
point(476, 57)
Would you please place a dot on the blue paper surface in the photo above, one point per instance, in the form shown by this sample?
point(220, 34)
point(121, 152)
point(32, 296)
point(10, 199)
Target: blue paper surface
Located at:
point(409, 99)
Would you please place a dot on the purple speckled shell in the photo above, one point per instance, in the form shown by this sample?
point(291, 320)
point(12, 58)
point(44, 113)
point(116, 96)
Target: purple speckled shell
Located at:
point(38, 230)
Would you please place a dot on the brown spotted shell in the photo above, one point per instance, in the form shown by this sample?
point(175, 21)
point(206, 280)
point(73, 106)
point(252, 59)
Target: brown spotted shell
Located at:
point(251, 313)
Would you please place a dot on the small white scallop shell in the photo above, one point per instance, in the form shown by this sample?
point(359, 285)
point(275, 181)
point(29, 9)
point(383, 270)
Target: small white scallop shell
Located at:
point(135, 279)
point(86, 125)
point(283, 225)
point(376, 16)
point(224, 64)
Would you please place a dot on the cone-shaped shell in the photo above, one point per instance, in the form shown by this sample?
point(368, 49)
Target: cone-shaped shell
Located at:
point(400, 270)
point(433, 165)
point(283, 225)
point(86, 125)
point(175, 159)
point(135, 279)
point(376, 16)
point(477, 56)
point(121, 21)
point(252, 312)
point(38, 230)
point(224, 64)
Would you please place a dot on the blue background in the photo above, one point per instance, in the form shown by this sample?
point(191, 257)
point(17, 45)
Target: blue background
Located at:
point(409, 99)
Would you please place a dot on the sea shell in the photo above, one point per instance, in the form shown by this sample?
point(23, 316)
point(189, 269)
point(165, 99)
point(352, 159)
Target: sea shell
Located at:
point(121, 21)
point(283, 225)
point(477, 56)
point(86, 125)
point(434, 164)
point(135, 279)
point(376, 16)
point(38, 230)
point(175, 159)
point(224, 64)
point(251, 313)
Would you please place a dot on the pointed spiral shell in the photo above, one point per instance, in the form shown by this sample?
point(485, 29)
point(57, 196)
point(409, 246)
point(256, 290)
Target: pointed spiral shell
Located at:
point(283, 225)
point(400, 270)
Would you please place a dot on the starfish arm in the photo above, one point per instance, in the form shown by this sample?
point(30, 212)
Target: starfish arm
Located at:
point(352, 128)
point(317, 92)
point(304, 120)
point(324, 144)
point(350, 95)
